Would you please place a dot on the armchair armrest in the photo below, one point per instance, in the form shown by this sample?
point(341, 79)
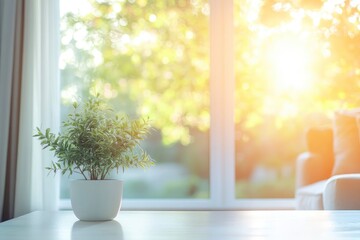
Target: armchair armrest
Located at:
point(342, 192)
point(311, 168)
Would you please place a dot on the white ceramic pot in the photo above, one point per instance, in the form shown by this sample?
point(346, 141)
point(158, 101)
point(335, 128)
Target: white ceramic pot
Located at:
point(96, 200)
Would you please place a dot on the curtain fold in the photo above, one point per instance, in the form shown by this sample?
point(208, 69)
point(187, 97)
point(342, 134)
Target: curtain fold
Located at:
point(11, 167)
point(29, 97)
point(11, 22)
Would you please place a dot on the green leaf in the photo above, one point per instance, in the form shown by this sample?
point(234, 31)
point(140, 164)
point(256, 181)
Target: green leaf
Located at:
point(94, 141)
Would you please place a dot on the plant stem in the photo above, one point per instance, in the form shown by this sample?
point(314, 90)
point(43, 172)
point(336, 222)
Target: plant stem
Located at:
point(82, 173)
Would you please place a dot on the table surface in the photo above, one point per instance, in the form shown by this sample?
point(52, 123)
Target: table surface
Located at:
point(184, 225)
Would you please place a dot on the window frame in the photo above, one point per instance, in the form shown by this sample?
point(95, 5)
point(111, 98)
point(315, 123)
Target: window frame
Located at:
point(222, 129)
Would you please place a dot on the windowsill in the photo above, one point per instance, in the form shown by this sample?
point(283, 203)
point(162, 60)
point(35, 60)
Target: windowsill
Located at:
point(196, 204)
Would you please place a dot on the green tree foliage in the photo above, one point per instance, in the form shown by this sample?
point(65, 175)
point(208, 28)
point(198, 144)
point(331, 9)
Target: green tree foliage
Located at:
point(150, 57)
point(333, 29)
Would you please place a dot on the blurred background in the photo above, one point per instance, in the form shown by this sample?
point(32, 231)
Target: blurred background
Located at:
point(295, 61)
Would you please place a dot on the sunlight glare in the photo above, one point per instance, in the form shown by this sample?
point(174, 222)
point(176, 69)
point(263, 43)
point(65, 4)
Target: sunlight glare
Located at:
point(290, 63)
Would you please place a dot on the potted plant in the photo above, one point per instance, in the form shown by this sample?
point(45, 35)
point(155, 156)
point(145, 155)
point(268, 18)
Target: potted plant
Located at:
point(95, 141)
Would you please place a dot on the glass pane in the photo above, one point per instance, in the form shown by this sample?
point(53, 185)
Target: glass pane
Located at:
point(148, 58)
point(296, 62)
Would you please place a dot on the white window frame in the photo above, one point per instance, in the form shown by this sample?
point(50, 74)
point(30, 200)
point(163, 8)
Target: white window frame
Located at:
point(222, 141)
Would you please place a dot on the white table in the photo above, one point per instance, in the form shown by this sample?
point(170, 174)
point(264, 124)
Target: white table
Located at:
point(186, 225)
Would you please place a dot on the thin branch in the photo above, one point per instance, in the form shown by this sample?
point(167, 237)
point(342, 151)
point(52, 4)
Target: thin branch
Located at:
point(82, 173)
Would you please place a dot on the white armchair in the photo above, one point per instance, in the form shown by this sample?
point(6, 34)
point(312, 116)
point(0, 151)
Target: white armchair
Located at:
point(328, 174)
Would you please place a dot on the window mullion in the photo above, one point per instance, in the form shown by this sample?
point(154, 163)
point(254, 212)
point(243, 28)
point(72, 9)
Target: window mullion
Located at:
point(221, 101)
point(229, 88)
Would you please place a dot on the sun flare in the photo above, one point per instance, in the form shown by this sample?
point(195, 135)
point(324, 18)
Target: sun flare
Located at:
point(290, 66)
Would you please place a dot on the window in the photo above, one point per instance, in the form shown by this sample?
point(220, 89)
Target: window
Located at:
point(294, 67)
point(147, 58)
point(230, 93)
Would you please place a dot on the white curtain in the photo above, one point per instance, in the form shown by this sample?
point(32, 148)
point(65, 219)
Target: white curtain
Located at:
point(7, 39)
point(40, 101)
